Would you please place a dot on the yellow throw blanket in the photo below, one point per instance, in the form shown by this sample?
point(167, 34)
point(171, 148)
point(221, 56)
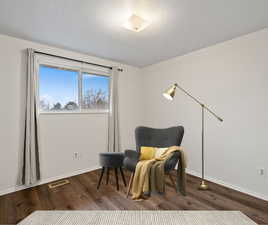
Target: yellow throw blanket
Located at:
point(144, 169)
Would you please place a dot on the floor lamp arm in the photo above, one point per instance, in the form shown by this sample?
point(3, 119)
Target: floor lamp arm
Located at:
point(199, 102)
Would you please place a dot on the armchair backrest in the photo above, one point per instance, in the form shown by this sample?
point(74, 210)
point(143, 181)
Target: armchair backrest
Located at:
point(161, 138)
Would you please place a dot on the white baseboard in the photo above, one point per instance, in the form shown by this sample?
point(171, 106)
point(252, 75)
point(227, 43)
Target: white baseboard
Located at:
point(192, 172)
point(235, 187)
point(47, 180)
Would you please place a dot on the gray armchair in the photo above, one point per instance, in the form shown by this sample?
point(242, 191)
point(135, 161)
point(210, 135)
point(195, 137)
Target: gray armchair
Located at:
point(161, 138)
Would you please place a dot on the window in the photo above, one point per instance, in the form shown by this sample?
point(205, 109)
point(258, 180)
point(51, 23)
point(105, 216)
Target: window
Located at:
point(95, 91)
point(62, 90)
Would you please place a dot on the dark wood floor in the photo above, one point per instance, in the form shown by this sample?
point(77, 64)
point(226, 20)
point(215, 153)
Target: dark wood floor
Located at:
point(81, 194)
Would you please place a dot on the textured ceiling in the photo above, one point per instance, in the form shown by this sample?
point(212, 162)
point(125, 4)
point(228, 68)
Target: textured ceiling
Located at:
point(94, 26)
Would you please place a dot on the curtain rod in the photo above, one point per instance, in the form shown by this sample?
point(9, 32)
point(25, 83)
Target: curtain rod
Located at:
point(76, 60)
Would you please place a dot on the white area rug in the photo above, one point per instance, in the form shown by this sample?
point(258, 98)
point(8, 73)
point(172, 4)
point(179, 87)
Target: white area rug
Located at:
point(137, 218)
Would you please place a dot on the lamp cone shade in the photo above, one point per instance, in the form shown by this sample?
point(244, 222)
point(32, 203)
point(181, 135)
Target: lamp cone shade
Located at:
point(170, 92)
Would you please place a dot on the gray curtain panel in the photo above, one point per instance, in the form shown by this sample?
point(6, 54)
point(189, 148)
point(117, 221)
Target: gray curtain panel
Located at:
point(31, 164)
point(113, 123)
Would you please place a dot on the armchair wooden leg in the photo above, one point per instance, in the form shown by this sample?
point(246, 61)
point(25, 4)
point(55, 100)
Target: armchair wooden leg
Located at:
point(130, 184)
point(172, 181)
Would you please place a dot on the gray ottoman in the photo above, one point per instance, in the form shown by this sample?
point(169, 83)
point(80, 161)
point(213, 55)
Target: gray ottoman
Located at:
point(111, 160)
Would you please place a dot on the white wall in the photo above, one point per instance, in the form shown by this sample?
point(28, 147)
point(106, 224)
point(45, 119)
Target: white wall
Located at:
point(60, 135)
point(232, 78)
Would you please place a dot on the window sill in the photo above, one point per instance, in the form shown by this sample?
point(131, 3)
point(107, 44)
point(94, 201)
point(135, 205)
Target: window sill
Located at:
point(74, 112)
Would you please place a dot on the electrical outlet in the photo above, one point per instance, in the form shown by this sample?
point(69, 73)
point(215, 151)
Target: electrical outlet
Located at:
point(76, 155)
point(261, 171)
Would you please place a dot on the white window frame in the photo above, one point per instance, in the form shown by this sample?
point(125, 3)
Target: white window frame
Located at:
point(70, 65)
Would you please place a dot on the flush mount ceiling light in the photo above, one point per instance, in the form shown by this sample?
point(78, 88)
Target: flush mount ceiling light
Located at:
point(135, 23)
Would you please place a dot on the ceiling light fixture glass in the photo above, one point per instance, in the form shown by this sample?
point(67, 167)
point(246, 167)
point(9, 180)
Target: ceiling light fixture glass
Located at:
point(136, 23)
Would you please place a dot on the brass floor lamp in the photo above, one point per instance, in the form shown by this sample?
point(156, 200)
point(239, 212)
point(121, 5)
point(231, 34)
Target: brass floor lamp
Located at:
point(169, 94)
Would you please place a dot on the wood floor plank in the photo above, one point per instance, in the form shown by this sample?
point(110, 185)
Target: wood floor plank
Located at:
point(81, 194)
point(225, 202)
point(235, 195)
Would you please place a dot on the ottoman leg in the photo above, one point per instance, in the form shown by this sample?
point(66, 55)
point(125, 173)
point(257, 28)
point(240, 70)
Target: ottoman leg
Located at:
point(116, 177)
point(123, 177)
point(107, 175)
point(102, 171)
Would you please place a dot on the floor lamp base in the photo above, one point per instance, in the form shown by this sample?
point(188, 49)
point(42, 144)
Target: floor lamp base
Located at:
point(203, 186)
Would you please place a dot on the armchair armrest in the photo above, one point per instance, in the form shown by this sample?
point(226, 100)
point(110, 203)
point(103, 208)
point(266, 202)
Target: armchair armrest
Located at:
point(171, 163)
point(131, 159)
point(133, 154)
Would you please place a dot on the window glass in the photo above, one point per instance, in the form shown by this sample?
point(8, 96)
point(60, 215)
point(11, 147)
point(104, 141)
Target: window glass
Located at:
point(95, 94)
point(58, 89)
